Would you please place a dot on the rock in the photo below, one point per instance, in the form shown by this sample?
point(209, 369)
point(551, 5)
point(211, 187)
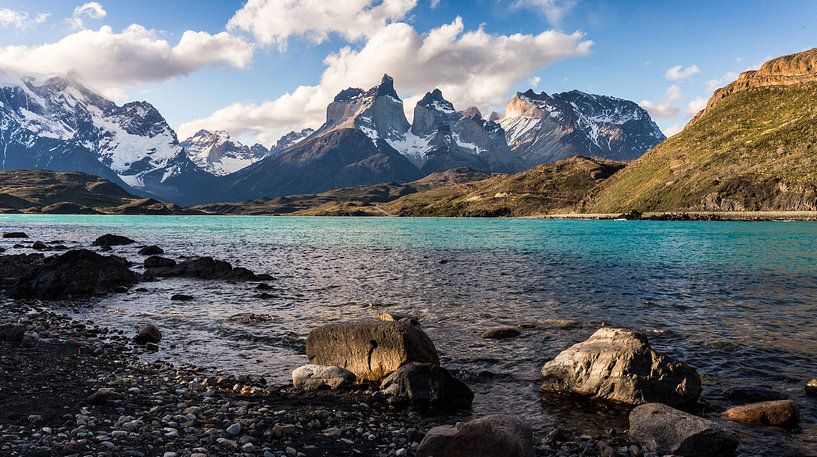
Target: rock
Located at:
point(752, 394)
point(151, 250)
point(101, 396)
point(500, 333)
point(665, 430)
point(371, 349)
point(811, 388)
point(13, 267)
point(618, 365)
point(387, 316)
point(489, 436)
point(205, 268)
point(778, 412)
point(112, 240)
point(425, 384)
point(182, 297)
point(234, 429)
point(39, 246)
point(158, 262)
point(12, 333)
point(75, 274)
point(316, 377)
point(15, 235)
point(148, 333)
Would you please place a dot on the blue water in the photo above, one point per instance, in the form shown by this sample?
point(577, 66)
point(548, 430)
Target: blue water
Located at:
point(736, 300)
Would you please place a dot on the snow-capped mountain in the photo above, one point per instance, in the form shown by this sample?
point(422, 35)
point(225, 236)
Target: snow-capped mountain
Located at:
point(290, 139)
point(219, 154)
point(62, 125)
point(543, 128)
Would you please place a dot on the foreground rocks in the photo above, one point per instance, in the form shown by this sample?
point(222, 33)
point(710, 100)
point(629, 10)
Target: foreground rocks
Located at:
point(148, 333)
point(501, 333)
point(428, 385)
point(318, 377)
point(75, 274)
point(783, 413)
point(109, 240)
point(490, 436)
point(618, 365)
point(201, 268)
point(371, 349)
point(15, 235)
point(668, 431)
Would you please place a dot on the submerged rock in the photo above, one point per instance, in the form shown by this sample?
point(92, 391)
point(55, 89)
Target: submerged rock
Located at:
point(15, 235)
point(489, 436)
point(148, 333)
point(665, 430)
point(753, 394)
point(151, 250)
point(501, 333)
point(428, 385)
point(779, 412)
point(155, 261)
point(618, 365)
point(181, 297)
point(112, 240)
point(371, 349)
point(80, 273)
point(317, 377)
point(205, 268)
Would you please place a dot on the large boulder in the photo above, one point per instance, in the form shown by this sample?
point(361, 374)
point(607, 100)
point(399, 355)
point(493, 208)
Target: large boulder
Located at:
point(317, 377)
point(665, 430)
point(428, 385)
point(75, 274)
point(13, 267)
point(205, 268)
point(618, 365)
point(489, 436)
point(151, 250)
point(112, 240)
point(783, 413)
point(371, 349)
point(148, 333)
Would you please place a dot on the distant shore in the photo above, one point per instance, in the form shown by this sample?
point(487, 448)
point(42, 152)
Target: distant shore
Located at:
point(696, 216)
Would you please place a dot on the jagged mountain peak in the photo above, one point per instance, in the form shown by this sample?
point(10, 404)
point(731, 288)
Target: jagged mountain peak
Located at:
point(290, 139)
point(217, 153)
point(348, 94)
point(435, 100)
point(386, 87)
point(472, 111)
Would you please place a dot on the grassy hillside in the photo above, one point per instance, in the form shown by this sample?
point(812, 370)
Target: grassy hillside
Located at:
point(753, 150)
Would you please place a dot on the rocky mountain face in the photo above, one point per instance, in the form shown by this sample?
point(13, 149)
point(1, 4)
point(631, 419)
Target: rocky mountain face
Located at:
point(753, 148)
point(544, 128)
point(61, 125)
point(219, 154)
point(290, 139)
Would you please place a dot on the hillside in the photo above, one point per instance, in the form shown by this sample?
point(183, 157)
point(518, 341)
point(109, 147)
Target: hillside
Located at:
point(753, 148)
point(43, 191)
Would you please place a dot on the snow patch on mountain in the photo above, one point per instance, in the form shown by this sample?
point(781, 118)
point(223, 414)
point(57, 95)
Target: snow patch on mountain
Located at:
point(219, 154)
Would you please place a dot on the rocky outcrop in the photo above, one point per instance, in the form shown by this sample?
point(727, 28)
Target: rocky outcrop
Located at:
point(219, 154)
point(667, 431)
point(75, 274)
point(489, 436)
point(793, 69)
point(201, 268)
point(781, 413)
point(318, 377)
point(371, 349)
point(618, 365)
point(151, 250)
point(112, 240)
point(15, 235)
point(427, 385)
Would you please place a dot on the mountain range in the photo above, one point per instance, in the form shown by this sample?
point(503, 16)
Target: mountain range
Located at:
point(61, 125)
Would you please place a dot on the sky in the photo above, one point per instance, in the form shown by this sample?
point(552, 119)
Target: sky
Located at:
point(261, 68)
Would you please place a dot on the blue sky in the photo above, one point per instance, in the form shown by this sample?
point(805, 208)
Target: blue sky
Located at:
point(235, 78)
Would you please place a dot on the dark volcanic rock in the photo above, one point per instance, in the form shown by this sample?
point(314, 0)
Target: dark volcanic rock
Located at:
point(14, 235)
point(666, 430)
point(426, 384)
point(112, 240)
point(151, 250)
point(13, 267)
point(39, 246)
point(148, 333)
point(181, 297)
point(80, 273)
point(158, 262)
point(489, 436)
point(205, 268)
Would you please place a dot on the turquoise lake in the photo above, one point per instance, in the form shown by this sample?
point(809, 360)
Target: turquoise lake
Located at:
point(736, 300)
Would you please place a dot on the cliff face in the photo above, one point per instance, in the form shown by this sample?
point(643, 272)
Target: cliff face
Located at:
point(780, 72)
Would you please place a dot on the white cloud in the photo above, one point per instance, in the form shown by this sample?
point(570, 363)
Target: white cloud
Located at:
point(433, 4)
point(554, 10)
point(534, 82)
point(672, 130)
point(664, 108)
point(728, 77)
point(471, 68)
point(694, 106)
point(274, 21)
point(679, 73)
point(105, 58)
point(20, 19)
point(90, 10)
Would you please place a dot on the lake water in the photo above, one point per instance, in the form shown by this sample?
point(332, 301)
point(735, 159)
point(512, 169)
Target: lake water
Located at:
point(738, 301)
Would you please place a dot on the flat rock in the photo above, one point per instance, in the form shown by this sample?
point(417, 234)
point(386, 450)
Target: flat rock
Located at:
point(489, 436)
point(15, 235)
point(318, 377)
point(371, 349)
point(618, 365)
point(783, 413)
point(668, 431)
point(112, 240)
point(501, 333)
point(182, 297)
point(428, 385)
point(151, 250)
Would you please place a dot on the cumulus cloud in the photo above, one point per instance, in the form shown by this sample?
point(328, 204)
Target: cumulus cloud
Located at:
point(470, 67)
point(679, 73)
point(20, 19)
point(534, 82)
point(90, 10)
point(433, 4)
point(727, 78)
point(673, 129)
point(664, 108)
point(554, 10)
point(694, 106)
point(274, 21)
point(135, 55)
